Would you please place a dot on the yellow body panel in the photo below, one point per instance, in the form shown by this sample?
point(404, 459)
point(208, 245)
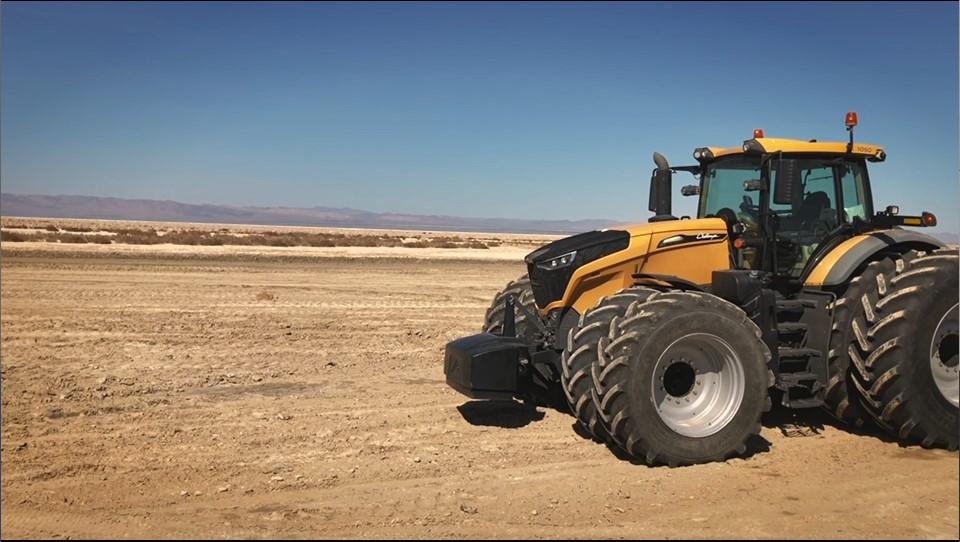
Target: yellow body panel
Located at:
point(775, 144)
point(819, 274)
point(694, 261)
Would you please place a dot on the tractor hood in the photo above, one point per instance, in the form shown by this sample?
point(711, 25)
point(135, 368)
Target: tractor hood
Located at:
point(613, 240)
point(595, 243)
point(552, 266)
point(671, 226)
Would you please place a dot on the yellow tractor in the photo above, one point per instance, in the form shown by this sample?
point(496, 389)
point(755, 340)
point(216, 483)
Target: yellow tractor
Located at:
point(670, 339)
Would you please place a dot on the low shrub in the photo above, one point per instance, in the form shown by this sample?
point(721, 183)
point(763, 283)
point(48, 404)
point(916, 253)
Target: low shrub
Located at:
point(12, 236)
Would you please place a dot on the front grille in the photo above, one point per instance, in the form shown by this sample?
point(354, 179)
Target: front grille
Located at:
point(549, 285)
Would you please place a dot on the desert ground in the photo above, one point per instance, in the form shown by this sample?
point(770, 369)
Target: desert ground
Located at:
point(297, 392)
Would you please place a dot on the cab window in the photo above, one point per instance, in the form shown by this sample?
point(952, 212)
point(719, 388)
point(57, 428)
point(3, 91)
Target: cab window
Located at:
point(853, 184)
point(813, 210)
point(724, 195)
point(723, 188)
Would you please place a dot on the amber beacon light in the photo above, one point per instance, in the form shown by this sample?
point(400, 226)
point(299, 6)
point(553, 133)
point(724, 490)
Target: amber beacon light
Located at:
point(851, 119)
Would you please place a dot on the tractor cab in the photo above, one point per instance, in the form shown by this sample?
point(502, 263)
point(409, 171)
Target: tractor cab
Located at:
point(787, 201)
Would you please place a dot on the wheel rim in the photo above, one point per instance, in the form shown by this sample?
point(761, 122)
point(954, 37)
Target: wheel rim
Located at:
point(698, 385)
point(943, 356)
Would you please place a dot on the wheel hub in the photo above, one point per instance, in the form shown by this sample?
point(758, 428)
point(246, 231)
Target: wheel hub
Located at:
point(680, 378)
point(944, 359)
point(698, 385)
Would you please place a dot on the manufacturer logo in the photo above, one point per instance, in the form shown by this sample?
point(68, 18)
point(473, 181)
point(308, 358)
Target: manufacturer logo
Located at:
point(683, 239)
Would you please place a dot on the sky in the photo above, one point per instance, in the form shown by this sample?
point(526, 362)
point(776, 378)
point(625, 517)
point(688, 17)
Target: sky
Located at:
point(545, 111)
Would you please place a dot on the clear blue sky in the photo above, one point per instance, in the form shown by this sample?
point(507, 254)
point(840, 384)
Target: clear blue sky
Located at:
point(513, 110)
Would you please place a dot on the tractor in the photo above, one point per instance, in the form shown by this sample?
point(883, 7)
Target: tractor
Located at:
point(669, 340)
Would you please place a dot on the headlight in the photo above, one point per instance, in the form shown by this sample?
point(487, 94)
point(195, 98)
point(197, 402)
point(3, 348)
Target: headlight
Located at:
point(558, 262)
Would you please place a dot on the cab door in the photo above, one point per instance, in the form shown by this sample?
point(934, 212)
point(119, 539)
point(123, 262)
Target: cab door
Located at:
point(817, 196)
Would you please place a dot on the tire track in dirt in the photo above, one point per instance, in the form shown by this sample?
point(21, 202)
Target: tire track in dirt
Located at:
point(146, 398)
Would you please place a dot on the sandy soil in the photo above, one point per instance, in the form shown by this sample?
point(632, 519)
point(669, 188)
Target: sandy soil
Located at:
point(171, 394)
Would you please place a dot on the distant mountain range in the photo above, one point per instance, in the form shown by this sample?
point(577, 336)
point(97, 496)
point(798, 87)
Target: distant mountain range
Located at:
point(172, 211)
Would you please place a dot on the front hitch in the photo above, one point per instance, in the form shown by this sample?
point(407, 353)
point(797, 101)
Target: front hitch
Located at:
point(509, 328)
point(504, 366)
point(487, 366)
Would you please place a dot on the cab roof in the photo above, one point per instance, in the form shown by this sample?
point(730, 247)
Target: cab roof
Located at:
point(874, 153)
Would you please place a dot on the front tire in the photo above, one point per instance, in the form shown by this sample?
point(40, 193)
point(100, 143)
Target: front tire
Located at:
point(522, 292)
point(584, 344)
point(543, 386)
point(684, 379)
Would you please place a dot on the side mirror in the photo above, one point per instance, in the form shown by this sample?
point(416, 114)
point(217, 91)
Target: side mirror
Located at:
point(690, 190)
point(660, 197)
point(788, 182)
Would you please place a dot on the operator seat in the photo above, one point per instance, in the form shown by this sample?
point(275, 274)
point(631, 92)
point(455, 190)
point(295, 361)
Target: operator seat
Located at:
point(812, 208)
point(817, 219)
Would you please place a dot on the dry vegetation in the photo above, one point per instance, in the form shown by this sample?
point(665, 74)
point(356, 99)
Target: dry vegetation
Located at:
point(15, 231)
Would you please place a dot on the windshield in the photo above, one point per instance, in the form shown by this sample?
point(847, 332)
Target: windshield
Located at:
point(829, 191)
point(723, 188)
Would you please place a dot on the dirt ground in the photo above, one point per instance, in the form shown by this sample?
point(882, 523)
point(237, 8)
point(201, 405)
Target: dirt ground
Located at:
point(171, 394)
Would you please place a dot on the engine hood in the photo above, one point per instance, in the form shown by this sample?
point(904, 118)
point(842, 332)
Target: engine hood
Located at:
point(618, 235)
point(674, 226)
point(552, 266)
point(581, 241)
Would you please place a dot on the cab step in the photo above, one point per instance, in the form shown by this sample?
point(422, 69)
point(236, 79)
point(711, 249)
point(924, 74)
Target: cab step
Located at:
point(794, 379)
point(795, 304)
point(798, 353)
point(809, 402)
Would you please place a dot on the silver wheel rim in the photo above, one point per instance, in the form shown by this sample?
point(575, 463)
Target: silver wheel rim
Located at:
point(943, 356)
point(698, 385)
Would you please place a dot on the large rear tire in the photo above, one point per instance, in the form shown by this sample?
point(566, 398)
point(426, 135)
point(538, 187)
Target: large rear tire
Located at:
point(907, 350)
point(683, 380)
point(841, 398)
point(584, 345)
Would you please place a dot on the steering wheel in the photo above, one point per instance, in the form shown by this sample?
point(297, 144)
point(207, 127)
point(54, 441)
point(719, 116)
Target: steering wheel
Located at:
point(729, 216)
point(750, 209)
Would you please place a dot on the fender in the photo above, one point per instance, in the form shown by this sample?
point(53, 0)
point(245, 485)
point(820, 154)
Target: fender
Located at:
point(839, 265)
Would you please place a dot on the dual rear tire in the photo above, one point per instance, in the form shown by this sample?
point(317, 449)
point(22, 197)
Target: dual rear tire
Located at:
point(904, 360)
